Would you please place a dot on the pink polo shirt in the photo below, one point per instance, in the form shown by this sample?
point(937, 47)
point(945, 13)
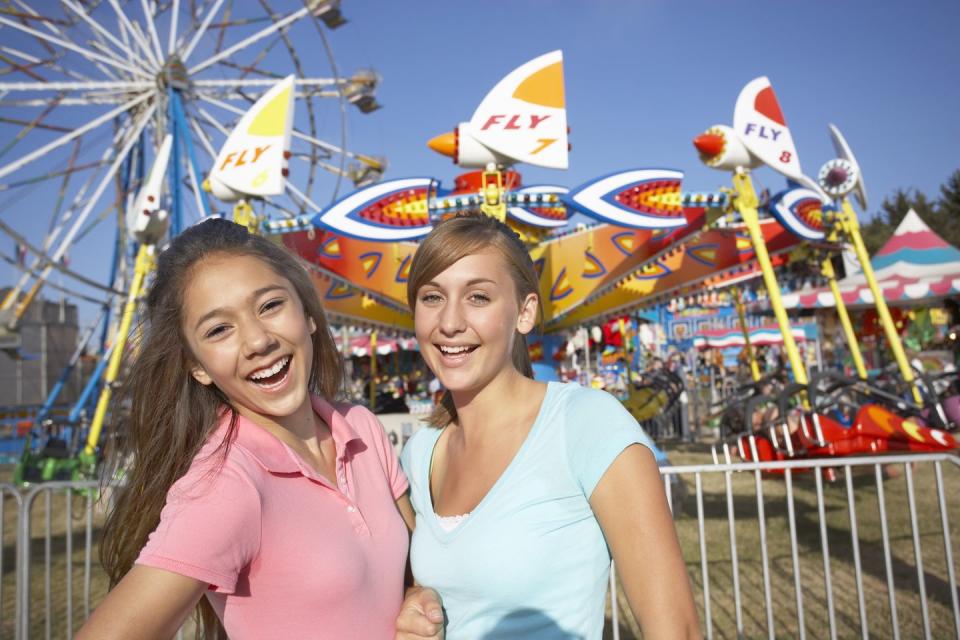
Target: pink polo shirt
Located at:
point(287, 554)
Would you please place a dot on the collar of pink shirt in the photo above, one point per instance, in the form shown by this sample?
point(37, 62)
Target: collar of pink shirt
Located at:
point(276, 457)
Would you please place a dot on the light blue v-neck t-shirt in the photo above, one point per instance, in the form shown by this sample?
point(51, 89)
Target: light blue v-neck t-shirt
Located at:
point(530, 562)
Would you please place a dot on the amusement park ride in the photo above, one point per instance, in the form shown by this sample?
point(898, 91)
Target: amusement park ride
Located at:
point(648, 240)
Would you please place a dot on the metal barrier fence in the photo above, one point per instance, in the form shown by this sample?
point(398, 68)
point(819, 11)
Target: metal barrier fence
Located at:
point(885, 569)
point(822, 548)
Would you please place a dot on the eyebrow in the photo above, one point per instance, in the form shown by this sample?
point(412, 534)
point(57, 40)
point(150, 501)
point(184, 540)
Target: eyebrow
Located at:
point(253, 296)
point(470, 283)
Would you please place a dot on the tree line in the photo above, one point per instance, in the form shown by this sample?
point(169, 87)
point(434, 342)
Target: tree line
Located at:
point(942, 214)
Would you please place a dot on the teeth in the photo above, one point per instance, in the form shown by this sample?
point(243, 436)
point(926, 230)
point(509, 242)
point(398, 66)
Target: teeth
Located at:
point(454, 350)
point(272, 371)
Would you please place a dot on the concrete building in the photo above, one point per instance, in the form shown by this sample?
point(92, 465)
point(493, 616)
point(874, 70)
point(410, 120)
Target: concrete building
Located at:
point(47, 340)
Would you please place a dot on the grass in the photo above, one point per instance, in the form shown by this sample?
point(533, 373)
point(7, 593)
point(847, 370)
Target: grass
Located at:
point(52, 614)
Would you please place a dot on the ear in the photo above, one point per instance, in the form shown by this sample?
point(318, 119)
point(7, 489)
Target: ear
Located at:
point(312, 324)
point(200, 375)
point(527, 319)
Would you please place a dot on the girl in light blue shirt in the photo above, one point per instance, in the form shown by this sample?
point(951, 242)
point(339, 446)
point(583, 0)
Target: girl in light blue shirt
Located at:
point(523, 490)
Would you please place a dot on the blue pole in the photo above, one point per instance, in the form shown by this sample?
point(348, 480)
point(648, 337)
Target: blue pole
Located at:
point(176, 220)
point(58, 387)
point(92, 385)
point(181, 125)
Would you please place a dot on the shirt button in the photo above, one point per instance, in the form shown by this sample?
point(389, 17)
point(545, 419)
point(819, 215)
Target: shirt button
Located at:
point(351, 509)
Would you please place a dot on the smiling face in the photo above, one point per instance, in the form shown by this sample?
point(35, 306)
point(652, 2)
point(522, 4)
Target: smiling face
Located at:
point(467, 318)
point(249, 336)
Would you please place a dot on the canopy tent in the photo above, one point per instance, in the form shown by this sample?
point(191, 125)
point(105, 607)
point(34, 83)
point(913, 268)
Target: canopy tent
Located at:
point(914, 267)
point(759, 336)
point(359, 345)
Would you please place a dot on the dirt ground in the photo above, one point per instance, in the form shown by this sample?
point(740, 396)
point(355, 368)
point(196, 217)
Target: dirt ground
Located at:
point(59, 600)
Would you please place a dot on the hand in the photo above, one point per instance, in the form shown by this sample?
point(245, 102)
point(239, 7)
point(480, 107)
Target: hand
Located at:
point(421, 616)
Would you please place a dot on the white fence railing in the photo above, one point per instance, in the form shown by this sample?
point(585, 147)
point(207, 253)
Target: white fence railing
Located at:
point(849, 547)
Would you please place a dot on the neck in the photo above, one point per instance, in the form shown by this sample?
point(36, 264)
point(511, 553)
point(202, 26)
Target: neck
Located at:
point(301, 425)
point(495, 406)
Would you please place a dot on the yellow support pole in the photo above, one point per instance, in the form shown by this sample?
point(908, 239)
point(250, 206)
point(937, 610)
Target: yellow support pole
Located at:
point(827, 270)
point(143, 265)
point(243, 214)
point(850, 224)
point(754, 367)
point(494, 204)
point(373, 369)
point(746, 203)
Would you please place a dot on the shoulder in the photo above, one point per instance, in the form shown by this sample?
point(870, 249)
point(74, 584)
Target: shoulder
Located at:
point(597, 415)
point(221, 469)
point(581, 402)
point(363, 421)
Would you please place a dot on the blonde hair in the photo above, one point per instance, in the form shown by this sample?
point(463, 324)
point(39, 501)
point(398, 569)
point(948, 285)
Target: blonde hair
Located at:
point(457, 238)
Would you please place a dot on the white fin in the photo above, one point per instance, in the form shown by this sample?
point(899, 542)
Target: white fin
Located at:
point(843, 151)
point(146, 221)
point(252, 162)
point(524, 117)
point(759, 122)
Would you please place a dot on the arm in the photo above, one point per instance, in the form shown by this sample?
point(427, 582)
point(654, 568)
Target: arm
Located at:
point(421, 615)
point(406, 511)
point(147, 603)
point(631, 507)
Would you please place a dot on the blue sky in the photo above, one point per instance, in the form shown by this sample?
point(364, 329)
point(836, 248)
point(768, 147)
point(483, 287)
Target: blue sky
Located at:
point(642, 79)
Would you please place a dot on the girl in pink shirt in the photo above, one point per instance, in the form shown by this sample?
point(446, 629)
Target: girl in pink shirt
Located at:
point(249, 495)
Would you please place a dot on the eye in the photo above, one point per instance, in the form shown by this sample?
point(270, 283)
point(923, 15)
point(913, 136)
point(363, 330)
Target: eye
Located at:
point(216, 331)
point(430, 297)
point(478, 297)
point(271, 304)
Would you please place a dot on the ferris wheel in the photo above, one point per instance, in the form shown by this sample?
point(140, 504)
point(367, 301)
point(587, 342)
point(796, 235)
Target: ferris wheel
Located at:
point(90, 90)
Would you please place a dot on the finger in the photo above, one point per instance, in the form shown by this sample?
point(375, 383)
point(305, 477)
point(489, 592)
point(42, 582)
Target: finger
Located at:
point(430, 605)
point(413, 623)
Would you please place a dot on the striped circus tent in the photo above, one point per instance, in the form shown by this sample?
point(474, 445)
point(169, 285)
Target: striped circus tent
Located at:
point(914, 267)
point(733, 337)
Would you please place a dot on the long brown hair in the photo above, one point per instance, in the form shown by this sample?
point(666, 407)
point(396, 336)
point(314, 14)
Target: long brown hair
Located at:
point(457, 238)
point(171, 415)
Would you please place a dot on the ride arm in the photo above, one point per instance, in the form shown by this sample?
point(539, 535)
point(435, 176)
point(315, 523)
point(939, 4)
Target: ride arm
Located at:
point(631, 507)
point(147, 603)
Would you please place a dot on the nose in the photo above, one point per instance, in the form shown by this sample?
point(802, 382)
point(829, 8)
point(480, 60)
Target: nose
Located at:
point(451, 318)
point(256, 339)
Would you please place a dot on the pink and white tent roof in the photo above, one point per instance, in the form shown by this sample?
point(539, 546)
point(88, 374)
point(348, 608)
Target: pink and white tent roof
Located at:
point(759, 336)
point(915, 266)
point(359, 346)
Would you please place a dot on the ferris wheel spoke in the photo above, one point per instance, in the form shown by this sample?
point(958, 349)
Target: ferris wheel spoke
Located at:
point(41, 125)
point(21, 267)
point(172, 41)
point(126, 25)
point(203, 138)
point(152, 28)
point(201, 30)
point(86, 53)
point(210, 121)
point(42, 259)
point(30, 157)
point(77, 203)
point(111, 171)
point(49, 63)
point(26, 69)
point(30, 126)
point(246, 42)
point(51, 26)
point(99, 29)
